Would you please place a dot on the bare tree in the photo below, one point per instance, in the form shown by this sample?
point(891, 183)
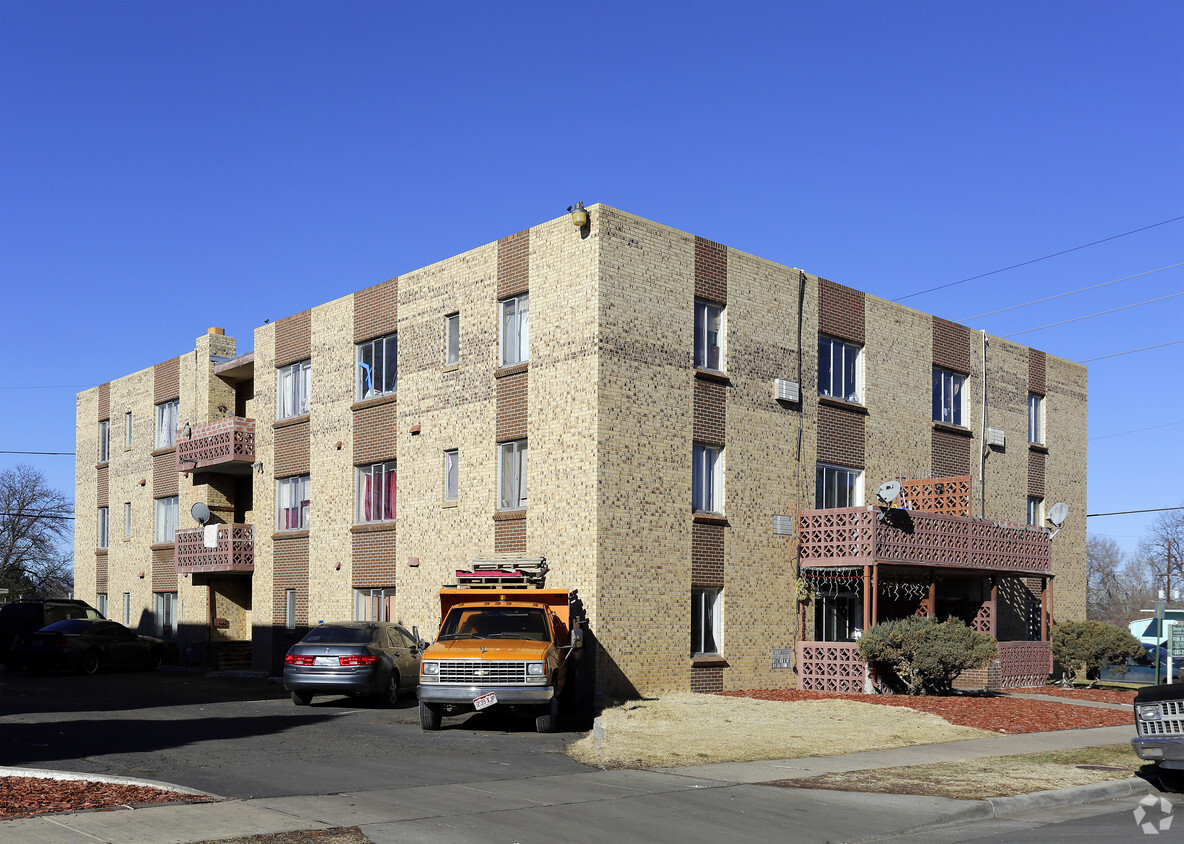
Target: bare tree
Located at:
point(34, 526)
point(1118, 588)
point(1160, 551)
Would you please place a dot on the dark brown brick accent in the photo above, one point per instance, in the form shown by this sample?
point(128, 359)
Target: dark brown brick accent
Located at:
point(951, 345)
point(511, 407)
point(104, 401)
point(509, 536)
point(293, 338)
point(710, 412)
point(166, 381)
point(164, 570)
point(707, 556)
point(711, 271)
point(102, 486)
point(513, 264)
point(291, 572)
point(1037, 364)
point(707, 679)
point(841, 312)
point(1036, 461)
point(291, 449)
point(950, 454)
point(376, 310)
point(375, 433)
point(164, 473)
point(841, 437)
point(373, 557)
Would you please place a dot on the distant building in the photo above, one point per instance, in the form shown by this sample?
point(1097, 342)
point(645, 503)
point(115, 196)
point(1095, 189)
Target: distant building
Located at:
point(650, 411)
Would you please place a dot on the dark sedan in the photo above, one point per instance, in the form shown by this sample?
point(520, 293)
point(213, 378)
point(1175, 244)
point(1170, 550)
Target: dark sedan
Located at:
point(353, 658)
point(87, 645)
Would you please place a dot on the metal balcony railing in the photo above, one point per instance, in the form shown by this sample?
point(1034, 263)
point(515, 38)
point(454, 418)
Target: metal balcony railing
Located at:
point(233, 550)
point(227, 444)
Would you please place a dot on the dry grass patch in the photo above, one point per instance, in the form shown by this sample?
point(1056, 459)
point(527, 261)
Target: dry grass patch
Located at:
point(996, 776)
point(694, 729)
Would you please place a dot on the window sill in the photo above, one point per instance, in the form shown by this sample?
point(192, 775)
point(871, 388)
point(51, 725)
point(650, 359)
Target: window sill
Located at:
point(509, 369)
point(161, 451)
point(289, 422)
point(451, 367)
point(161, 546)
point(843, 404)
point(712, 375)
point(952, 429)
point(1039, 448)
point(102, 464)
point(374, 402)
point(709, 519)
point(289, 534)
point(101, 552)
point(709, 661)
point(510, 515)
point(449, 505)
point(373, 527)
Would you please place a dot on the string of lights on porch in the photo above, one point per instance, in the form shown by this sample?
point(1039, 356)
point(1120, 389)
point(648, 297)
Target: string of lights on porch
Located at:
point(830, 582)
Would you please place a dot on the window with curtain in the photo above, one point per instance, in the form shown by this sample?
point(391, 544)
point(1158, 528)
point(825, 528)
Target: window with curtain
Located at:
point(515, 329)
point(706, 605)
point(837, 486)
point(293, 385)
point(376, 493)
point(166, 521)
point(511, 476)
point(839, 367)
point(949, 397)
point(166, 423)
point(292, 503)
point(709, 336)
point(378, 367)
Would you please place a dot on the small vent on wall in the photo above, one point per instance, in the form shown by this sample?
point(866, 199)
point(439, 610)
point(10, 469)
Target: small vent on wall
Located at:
point(785, 390)
point(783, 525)
point(996, 437)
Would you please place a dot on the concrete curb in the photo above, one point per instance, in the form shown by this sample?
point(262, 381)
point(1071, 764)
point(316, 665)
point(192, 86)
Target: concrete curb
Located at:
point(42, 774)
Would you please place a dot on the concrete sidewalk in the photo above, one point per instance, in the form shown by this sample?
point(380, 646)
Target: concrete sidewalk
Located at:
point(701, 803)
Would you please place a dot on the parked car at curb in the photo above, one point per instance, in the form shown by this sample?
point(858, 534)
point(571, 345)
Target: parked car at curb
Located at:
point(1141, 669)
point(357, 658)
point(87, 645)
point(33, 614)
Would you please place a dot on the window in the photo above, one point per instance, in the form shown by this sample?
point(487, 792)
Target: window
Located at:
point(164, 609)
point(840, 368)
point(166, 423)
point(127, 520)
point(707, 479)
point(1036, 418)
point(709, 336)
point(166, 521)
point(949, 399)
point(103, 528)
point(127, 429)
point(511, 475)
point(1035, 511)
point(292, 503)
point(451, 339)
point(378, 367)
point(292, 390)
point(451, 474)
point(102, 604)
point(515, 329)
point(290, 609)
point(376, 493)
point(706, 606)
point(104, 440)
point(838, 617)
point(837, 486)
point(127, 609)
point(374, 604)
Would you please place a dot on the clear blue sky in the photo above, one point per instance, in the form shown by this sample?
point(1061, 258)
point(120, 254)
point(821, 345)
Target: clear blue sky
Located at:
point(167, 167)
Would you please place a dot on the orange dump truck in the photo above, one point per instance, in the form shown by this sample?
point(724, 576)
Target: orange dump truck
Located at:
point(504, 641)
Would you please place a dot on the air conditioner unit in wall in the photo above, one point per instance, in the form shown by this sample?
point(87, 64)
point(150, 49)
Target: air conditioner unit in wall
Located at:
point(996, 437)
point(785, 390)
point(783, 525)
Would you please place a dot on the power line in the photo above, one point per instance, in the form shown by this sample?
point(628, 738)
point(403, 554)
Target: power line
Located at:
point(50, 387)
point(1132, 512)
point(1137, 430)
point(54, 453)
point(1034, 260)
point(1131, 352)
point(1070, 293)
point(1091, 316)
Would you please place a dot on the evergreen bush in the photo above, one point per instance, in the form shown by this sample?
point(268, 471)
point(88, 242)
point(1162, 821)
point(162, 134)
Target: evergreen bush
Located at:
point(924, 656)
point(1084, 647)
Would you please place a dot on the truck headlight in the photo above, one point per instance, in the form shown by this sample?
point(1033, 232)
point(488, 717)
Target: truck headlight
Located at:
point(429, 672)
point(1148, 711)
point(536, 672)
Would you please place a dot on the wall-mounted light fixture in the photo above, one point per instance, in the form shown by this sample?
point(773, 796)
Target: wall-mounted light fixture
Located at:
point(579, 216)
point(258, 466)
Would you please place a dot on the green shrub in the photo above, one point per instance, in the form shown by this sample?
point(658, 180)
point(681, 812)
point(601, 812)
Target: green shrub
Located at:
point(1083, 647)
point(924, 656)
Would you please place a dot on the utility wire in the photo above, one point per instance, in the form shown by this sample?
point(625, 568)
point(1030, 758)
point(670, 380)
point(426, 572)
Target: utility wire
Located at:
point(1137, 430)
point(1132, 512)
point(57, 453)
point(1034, 260)
point(1131, 352)
point(1091, 316)
point(1070, 293)
point(40, 516)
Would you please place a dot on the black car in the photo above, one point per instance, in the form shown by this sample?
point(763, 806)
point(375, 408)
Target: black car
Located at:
point(29, 615)
point(353, 658)
point(87, 645)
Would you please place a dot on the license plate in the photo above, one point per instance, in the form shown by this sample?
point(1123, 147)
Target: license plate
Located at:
point(485, 701)
point(326, 660)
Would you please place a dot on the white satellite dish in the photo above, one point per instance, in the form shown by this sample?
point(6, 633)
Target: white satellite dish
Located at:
point(1058, 513)
point(888, 492)
point(201, 513)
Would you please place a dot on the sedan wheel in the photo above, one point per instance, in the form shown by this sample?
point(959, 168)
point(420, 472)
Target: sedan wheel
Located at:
point(302, 698)
point(391, 696)
point(153, 661)
point(91, 662)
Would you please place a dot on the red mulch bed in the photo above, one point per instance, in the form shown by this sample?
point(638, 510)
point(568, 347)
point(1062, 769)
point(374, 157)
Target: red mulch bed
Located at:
point(24, 796)
point(999, 714)
point(1126, 696)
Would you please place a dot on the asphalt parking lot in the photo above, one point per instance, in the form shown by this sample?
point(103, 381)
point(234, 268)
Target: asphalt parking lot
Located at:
point(243, 737)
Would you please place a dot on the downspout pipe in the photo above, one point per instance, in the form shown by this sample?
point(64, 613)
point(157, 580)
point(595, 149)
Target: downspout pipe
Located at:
point(982, 469)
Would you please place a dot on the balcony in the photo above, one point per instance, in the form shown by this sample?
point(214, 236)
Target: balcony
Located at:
point(234, 550)
point(856, 536)
point(224, 445)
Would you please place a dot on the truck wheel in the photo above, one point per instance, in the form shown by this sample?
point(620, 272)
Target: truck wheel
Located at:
point(429, 716)
point(547, 721)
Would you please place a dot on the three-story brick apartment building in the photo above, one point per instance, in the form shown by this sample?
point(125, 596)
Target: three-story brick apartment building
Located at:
point(656, 414)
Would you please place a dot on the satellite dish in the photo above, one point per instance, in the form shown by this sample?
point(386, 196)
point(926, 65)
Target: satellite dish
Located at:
point(888, 492)
point(201, 513)
point(1058, 513)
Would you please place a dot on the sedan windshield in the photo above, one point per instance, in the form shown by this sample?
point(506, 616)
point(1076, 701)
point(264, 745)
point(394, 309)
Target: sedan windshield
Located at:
point(496, 623)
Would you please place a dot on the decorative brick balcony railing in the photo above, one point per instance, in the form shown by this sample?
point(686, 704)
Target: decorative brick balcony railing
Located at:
point(854, 536)
point(226, 443)
point(830, 667)
point(1024, 664)
point(235, 551)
